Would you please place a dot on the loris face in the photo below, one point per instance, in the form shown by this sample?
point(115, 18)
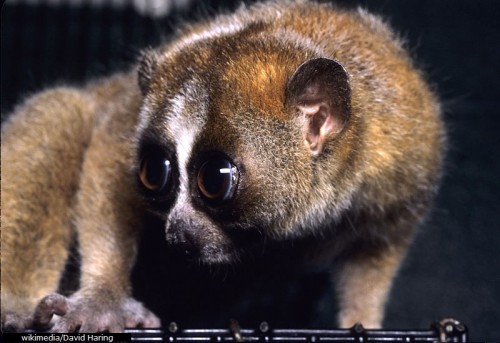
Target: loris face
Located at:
point(226, 152)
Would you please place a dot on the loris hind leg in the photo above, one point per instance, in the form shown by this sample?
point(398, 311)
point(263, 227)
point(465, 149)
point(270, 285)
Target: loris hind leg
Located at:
point(43, 144)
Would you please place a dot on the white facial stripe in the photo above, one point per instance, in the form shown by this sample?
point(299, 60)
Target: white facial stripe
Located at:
point(185, 124)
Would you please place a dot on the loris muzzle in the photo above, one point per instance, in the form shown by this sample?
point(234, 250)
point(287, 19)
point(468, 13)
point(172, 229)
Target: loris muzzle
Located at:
point(283, 122)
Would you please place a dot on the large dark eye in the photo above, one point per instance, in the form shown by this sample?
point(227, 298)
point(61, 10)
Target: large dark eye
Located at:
point(217, 179)
point(155, 173)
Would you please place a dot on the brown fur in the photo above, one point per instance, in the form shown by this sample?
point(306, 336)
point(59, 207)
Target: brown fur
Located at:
point(358, 170)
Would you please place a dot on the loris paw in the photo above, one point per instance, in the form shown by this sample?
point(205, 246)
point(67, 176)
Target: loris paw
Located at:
point(368, 322)
point(92, 313)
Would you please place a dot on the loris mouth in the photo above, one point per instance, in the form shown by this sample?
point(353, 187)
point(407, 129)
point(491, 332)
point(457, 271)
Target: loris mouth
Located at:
point(204, 252)
point(224, 246)
point(218, 257)
point(209, 255)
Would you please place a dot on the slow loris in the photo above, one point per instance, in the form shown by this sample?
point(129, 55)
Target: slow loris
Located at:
point(284, 121)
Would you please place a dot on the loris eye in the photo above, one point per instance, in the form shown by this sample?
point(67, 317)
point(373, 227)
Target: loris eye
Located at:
point(217, 179)
point(155, 173)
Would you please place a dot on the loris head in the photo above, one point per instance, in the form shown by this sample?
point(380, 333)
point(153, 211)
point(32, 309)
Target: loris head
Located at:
point(241, 142)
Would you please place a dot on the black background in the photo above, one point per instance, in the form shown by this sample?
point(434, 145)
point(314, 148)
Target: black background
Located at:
point(452, 270)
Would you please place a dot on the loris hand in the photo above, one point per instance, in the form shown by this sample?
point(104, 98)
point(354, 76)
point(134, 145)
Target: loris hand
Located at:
point(83, 312)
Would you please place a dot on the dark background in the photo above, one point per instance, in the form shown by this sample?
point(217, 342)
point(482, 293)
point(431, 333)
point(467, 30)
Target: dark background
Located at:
point(452, 270)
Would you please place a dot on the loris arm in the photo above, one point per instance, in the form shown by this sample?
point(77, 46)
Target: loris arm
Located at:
point(365, 273)
point(363, 284)
point(107, 219)
point(43, 146)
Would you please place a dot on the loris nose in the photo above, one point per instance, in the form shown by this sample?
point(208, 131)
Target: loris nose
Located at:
point(182, 235)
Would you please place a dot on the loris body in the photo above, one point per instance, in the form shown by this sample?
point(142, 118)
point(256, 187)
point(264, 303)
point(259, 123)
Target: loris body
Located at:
point(281, 122)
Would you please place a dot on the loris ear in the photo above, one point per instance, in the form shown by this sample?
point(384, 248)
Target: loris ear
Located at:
point(319, 90)
point(147, 65)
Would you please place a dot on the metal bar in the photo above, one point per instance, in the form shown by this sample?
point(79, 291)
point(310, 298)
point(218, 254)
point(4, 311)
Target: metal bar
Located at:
point(447, 330)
